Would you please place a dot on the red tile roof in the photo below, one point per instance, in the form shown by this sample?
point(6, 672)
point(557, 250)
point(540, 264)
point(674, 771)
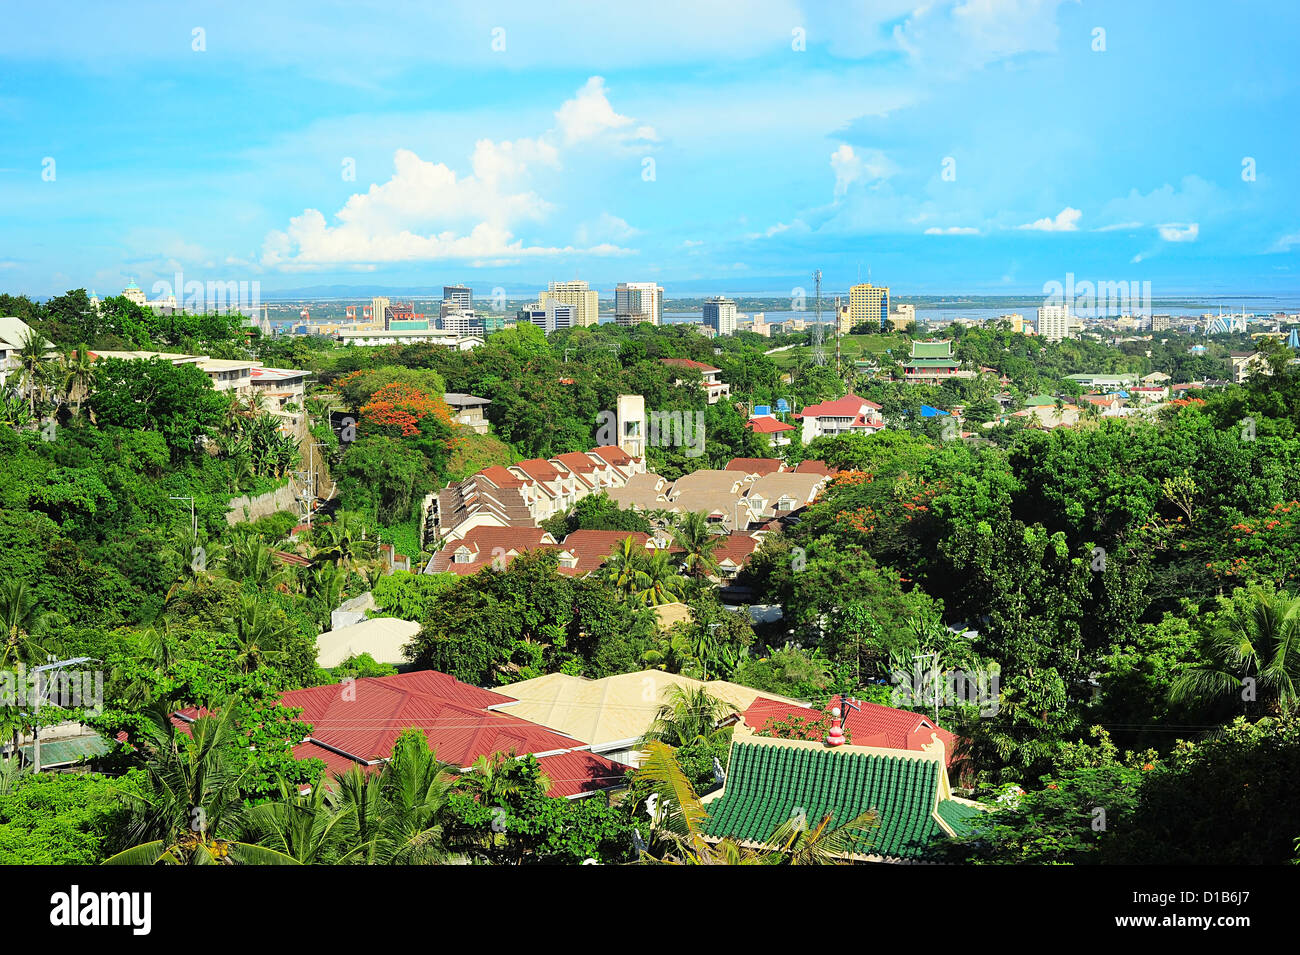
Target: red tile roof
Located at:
point(850, 406)
point(766, 425)
point(613, 454)
point(499, 476)
point(359, 722)
point(577, 462)
point(813, 467)
point(754, 465)
point(539, 469)
point(883, 727)
point(688, 363)
point(489, 544)
point(592, 548)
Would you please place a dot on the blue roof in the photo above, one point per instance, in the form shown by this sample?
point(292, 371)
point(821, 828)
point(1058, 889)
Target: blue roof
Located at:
point(928, 412)
point(782, 405)
point(762, 410)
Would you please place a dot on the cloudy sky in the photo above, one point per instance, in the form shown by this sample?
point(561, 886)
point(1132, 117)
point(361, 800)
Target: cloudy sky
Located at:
point(968, 146)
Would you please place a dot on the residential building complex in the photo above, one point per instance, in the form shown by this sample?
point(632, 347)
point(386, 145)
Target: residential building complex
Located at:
point(847, 415)
point(714, 386)
point(1054, 322)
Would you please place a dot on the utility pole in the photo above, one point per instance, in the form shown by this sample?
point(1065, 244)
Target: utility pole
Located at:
point(839, 373)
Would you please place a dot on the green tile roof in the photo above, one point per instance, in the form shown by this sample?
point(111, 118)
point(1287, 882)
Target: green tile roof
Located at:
point(767, 784)
point(931, 363)
point(932, 349)
point(960, 817)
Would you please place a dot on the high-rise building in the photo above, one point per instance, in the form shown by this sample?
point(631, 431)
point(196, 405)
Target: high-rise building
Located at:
point(379, 310)
point(457, 297)
point(638, 302)
point(1054, 322)
point(549, 315)
point(1159, 323)
point(869, 304)
point(584, 300)
point(843, 318)
point(720, 315)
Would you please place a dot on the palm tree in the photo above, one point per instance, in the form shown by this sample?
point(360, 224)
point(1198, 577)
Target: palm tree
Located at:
point(397, 816)
point(257, 633)
point(680, 818)
point(698, 539)
point(624, 564)
point(193, 806)
point(250, 560)
point(77, 373)
point(794, 843)
point(22, 625)
point(345, 541)
point(32, 363)
point(1256, 636)
point(690, 713)
point(304, 826)
point(658, 582)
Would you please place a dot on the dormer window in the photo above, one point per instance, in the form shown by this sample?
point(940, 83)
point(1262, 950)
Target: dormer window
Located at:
point(464, 556)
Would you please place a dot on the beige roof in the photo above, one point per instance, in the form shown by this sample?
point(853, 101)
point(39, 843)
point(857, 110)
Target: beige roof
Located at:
point(645, 498)
point(709, 481)
point(671, 613)
point(14, 332)
point(801, 488)
point(381, 637)
point(612, 710)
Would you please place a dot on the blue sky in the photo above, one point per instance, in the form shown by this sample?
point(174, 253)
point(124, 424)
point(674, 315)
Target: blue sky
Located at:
point(976, 146)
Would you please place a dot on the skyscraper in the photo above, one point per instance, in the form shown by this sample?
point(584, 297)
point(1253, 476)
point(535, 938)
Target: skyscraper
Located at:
point(457, 298)
point(869, 304)
point(379, 310)
point(720, 315)
point(583, 299)
point(638, 302)
point(550, 315)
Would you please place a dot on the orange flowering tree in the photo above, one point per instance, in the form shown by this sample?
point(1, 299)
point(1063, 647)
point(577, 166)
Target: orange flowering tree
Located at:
point(1264, 547)
point(397, 409)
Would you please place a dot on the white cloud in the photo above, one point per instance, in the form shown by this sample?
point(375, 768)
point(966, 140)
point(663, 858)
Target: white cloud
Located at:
point(1118, 227)
point(1067, 220)
point(851, 167)
point(1286, 243)
point(427, 211)
point(1179, 232)
point(589, 116)
point(952, 230)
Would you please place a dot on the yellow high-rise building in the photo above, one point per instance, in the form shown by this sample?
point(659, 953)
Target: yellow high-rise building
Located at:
point(585, 301)
point(869, 304)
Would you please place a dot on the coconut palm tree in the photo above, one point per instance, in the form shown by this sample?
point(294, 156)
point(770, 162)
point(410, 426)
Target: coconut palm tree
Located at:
point(795, 843)
point(657, 582)
point(1255, 636)
point(249, 559)
point(397, 816)
point(698, 540)
point(497, 780)
point(680, 818)
point(33, 365)
point(689, 714)
point(258, 634)
point(304, 826)
point(624, 566)
point(193, 808)
point(76, 376)
point(344, 541)
point(22, 625)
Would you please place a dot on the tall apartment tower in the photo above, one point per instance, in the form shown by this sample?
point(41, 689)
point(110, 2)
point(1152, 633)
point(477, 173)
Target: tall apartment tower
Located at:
point(869, 304)
point(1054, 322)
point(379, 310)
point(638, 302)
point(720, 315)
point(456, 298)
point(584, 300)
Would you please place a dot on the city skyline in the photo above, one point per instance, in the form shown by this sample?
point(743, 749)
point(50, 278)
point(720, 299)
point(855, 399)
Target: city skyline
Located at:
point(723, 155)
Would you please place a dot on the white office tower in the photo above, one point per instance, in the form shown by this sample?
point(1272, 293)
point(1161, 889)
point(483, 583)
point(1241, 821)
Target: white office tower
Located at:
point(550, 315)
point(1054, 322)
point(720, 315)
point(585, 302)
point(638, 302)
point(457, 298)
